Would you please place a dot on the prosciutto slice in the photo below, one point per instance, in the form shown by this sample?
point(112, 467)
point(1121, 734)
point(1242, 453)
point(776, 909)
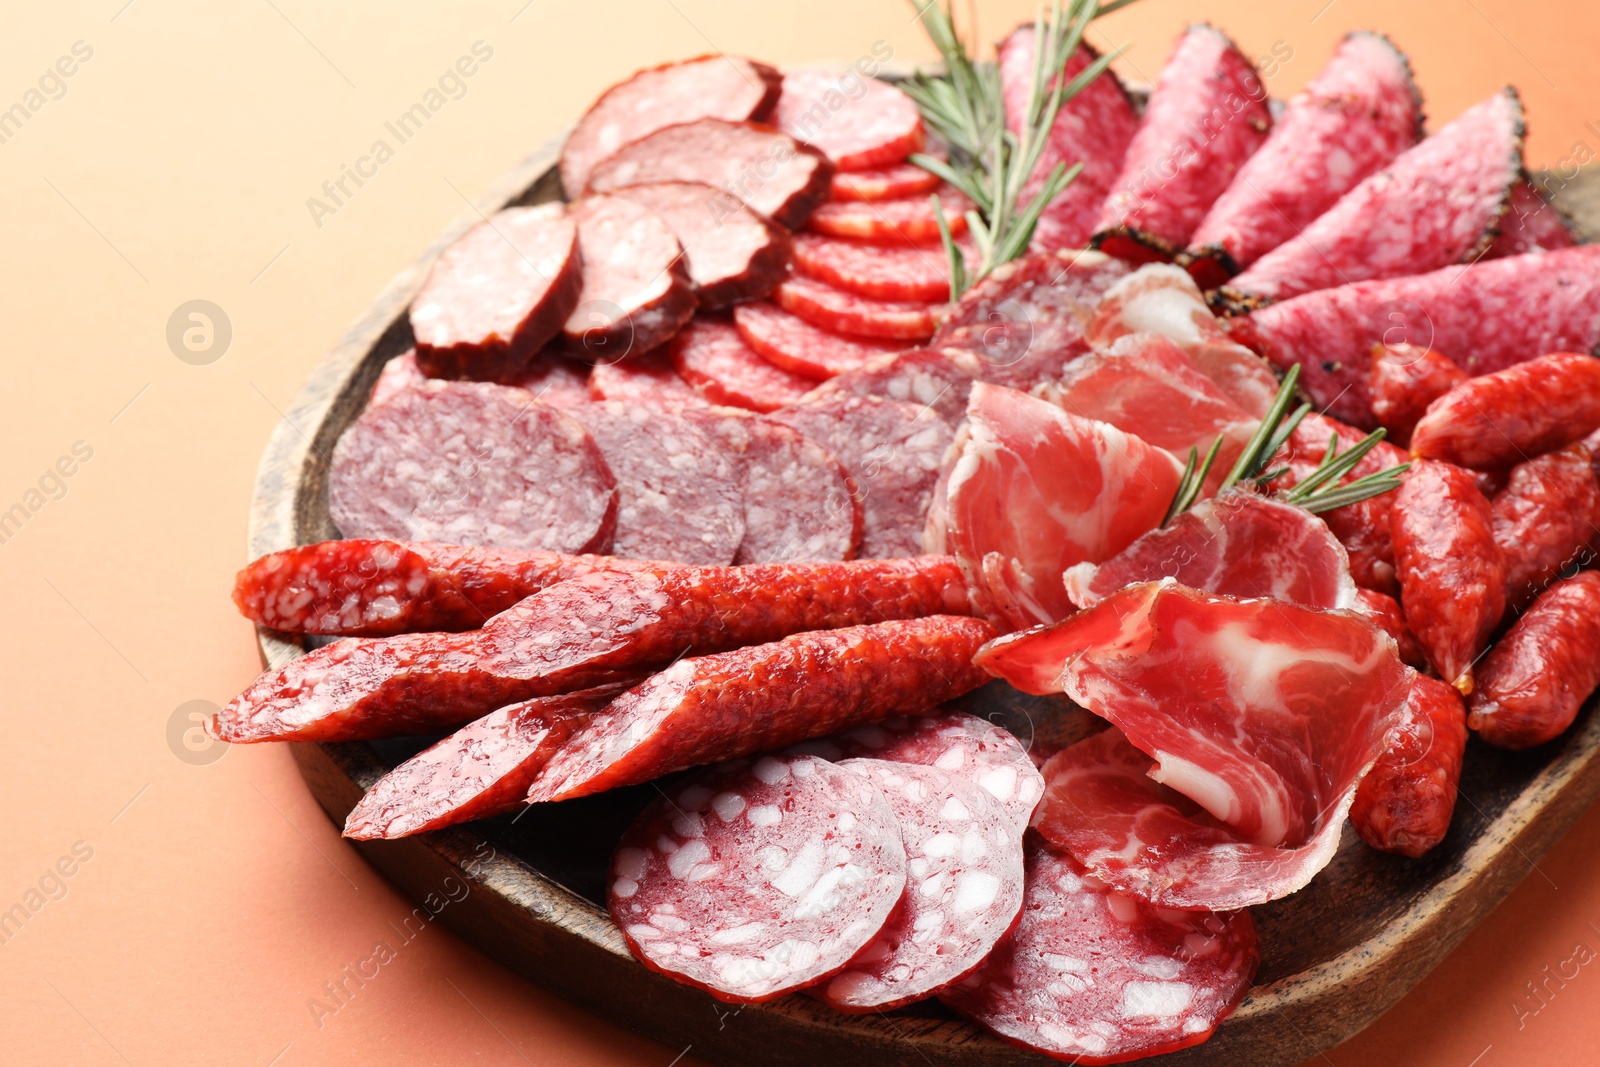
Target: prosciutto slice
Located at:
point(1240, 544)
point(1035, 490)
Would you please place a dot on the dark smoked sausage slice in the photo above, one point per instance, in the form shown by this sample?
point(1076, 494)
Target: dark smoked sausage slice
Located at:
point(713, 358)
point(858, 122)
point(636, 290)
point(498, 294)
point(1404, 803)
point(733, 253)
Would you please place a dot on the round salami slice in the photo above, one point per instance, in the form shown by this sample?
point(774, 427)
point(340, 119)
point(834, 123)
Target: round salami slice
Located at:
point(939, 380)
point(858, 122)
point(650, 380)
point(753, 879)
point(733, 254)
point(963, 889)
point(472, 463)
point(883, 183)
point(401, 372)
point(894, 450)
point(771, 172)
point(554, 379)
point(791, 343)
point(497, 295)
point(836, 309)
point(799, 504)
point(1099, 977)
point(881, 272)
point(636, 290)
point(723, 87)
point(909, 218)
point(711, 356)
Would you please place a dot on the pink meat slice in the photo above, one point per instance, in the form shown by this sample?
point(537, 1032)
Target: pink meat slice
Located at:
point(1091, 975)
point(938, 380)
point(400, 372)
point(1531, 224)
point(710, 355)
point(792, 344)
point(900, 271)
point(554, 379)
point(732, 253)
point(636, 290)
point(1036, 490)
point(883, 183)
point(649, 379)
point(907, 219)
point(838, 309)
point(857, 122)
point(750, 880)
point(964, 885)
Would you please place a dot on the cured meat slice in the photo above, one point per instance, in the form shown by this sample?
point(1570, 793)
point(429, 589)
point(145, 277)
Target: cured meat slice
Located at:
point(573, 635)
point(1545, 520)
point(887, 182)
point(732, 253)
point(893, 450)
point(773, 174)
point(1405, 380)
point(1091, 975)
point(763, 697)
point(650, 381)
point(636, 290)
point(1404, 805)
point(1207, 116)
point(908, 219)
point(677, 497)
point(963, 889)
point(792, 344)
point(476, 464)
point(1163, 299)
point(1487, 316)
point(937, 380)
point(368, 588)
point(478, 772)
point(1239, 544)
point(799, 503)
point(857, 122)
point(1531, 224)
point(845, 312)
point(495, 296)
point(400, 372)
point(755, 879)
point(1498, 419)
point(719, 86)
point(1357, 115)
point(1036, 490)
point(1093, 128)
point(953, 742)
point(881, 272)
point(710, 355)
point(1438, 203)
point(1187, 676)
point(554, 379)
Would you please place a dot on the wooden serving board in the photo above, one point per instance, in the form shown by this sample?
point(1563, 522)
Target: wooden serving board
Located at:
point(1335, 955)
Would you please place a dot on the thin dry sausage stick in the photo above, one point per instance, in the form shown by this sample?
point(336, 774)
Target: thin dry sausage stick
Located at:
point(1532, 683)
point(1404, 803)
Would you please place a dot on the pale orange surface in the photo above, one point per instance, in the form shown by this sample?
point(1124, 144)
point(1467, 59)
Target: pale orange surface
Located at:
point(175, 165)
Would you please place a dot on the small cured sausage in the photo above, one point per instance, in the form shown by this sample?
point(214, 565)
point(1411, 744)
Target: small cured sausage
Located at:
point(719, 86)
point(1452, 573)
point(963, 889)
point(710, 355)
point(1546, 520)
point(554, 379)
point(909, 219)
point(770, 172)
point(1532, 224)
point(887, 182)
point(1404, 803)
point(836, 309)
point(1499, 419)
point(1091, 975)
point(733, 254)
point(1383, 611)
point(1534, 680)
point(498, 294)
point(636, 290)
point(472, 463)
point(677, 496)
point(882, 272)
point(762, 697)
point(754, 879)
point(938, 380)
point(791, 343)
point(1405, 380)
point(857, 122)
point(649, 381)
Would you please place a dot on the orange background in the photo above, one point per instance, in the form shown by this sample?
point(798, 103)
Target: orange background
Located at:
point(217, 898)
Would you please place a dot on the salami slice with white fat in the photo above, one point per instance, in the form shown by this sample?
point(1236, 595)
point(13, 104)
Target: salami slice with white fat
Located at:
point(678, 498)
point(750, 880)
point(650, 379)
point(401, 372)
point(710, 355)
point(883, 183)
point(858, 122)
point(908, 218)
point(733, 254)
point(636, 290)
point(791, 343)
point(938, 380)
point(554, 379)
point(836, 309)
point(1095, 976)
point(963, 888)
point(898, 271)
point(1531, 224)
point(472, 463)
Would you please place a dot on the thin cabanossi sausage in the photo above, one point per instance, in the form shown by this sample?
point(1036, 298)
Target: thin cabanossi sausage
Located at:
point(1514, 414)
point(1546, 519)
point(1404, 803)
point(1536, 677)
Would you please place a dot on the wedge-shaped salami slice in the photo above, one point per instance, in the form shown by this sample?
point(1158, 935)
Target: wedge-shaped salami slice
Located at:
point(1091, 975)
point(888, 182)
point(719, 87)
point(710, 355)
point(1036, 490)
point(1207, 116)
point(770, 172)
point(732, 253)
point(907, 219)
point(1239, 544)
point(837, 309)
point(1532, 224)
point(763, 697)
point(472, 463)
point(1093, 128)
point(1438, 203)
point(649, 380)
point(1360, 112)
point(1486, 316)
point(754, 879)
point(791, 343)
point(636, 290)
point(858, 122)
point(937, 380)
point(963, 893)
point(899, 271)
point(495, 296)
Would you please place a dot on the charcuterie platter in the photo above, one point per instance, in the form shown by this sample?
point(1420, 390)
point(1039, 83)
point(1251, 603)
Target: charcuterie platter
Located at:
point(849, 647)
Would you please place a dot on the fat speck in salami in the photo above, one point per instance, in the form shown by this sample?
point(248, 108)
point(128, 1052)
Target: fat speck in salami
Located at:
point(733, 254)
point(636, 290)
point(937, 380)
